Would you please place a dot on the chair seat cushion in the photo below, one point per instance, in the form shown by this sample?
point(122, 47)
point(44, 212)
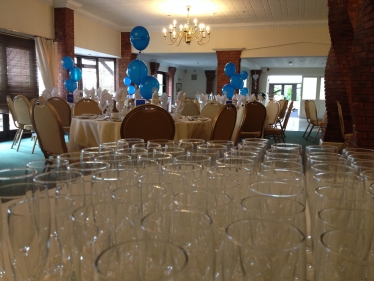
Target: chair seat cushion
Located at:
point(251, 134)
point(272, 131)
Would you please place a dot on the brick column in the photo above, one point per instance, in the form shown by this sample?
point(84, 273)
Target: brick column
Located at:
point(170, 88)
point(362, 68)
point(210, 76)
point(126, 58)
point(223, 57)
point(154, 68)
point(342, 24)
point(64, 35)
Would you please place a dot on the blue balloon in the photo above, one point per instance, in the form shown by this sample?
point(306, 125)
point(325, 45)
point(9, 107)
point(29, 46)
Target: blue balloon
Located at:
point(76, 74)
point(139, 38)
point(70, 85)
point(127, 81)
point(137, 71)
point(131, 89)
point(67, 63)
point(237, 81)
point(230, 69)
point(244, 91)
point(244, 74)
point(228, 90)
point(148, 86)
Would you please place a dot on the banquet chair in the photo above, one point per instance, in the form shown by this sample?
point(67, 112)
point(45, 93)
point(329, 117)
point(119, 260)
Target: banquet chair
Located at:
point(276, 133)
point(239, 120)
point(253, 120)
point(63, 109)
point(86, 106)
point(210, 110)
point(224, 123)
point(49, 129)
point(148, 121)
point(15, 119)
point(282, 112)
point(307, 116)
point(346, 137)
point(190, 108)
point(22, 109)
point(272, 113)
point(313, 119)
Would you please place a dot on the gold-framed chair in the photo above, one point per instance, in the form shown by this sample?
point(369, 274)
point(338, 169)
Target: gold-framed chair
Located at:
point(238, 124)
point(313, 119)
point(86, 106)
point(211, 110)
point(253, 120)
point(272, 113)
point(49, 129)
point(283, 105)
point(22, 109)
point(190, 108)
point(63, 109)
point(224, 123)
point(346, 137)
point(148, 121)
point(15, 119)
point(279, 134)
point(306, 107)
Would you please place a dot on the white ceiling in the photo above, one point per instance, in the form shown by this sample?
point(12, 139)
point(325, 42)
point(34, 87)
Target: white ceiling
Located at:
point(156, 14)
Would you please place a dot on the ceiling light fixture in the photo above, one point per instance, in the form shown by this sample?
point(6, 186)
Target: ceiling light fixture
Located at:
point(200, 33)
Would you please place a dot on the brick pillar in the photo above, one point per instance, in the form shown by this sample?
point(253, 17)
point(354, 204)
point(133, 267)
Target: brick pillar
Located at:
point(224, 57)
point(342, 24)
point(126, 58)
point(254, 82)
point(362, 68)
point(170, 88)
point(154, 68)
point(64, 35)
point(210, 76)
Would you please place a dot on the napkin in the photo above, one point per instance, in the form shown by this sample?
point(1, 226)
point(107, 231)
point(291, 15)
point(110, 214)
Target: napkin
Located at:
point(204, 99)
point(77, 94)
point(181, 96)
point(164, 101)
point(251, 97)
point(104, 97)
point(120, 95)
point(242, 99)
point(89, 93)
point(46, 94)
point(155, 100)
point(221, 99)
point(98, 93)
point(54, 92)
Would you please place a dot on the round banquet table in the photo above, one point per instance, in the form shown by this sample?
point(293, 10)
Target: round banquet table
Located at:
point(91, 132)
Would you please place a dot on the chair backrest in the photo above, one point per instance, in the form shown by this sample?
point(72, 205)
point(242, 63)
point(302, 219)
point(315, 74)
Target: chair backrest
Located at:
point(313, 116)
point(224, 123)
point(190, 108)
point(240, 112)
point(288, 113)
point(11, 110)
point(272, 111)
point(211, 110)
point(48, 127)
point(283, 108)
point(148, 121)
point(22, 108)
point(63, 109)
point(341, 119)
point(254, 117)
point(86, 106)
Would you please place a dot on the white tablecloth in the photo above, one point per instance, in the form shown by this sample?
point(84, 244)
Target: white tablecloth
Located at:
point(91, 132)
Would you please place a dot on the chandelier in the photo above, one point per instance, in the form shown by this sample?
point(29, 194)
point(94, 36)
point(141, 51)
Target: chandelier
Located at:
point(200, 33)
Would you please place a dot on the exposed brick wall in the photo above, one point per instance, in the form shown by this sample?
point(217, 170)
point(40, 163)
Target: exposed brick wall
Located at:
point(126, 58)
point(64, 35)
point(363, 77)
point(342, 24)
point(223, 57)
point(210, 76)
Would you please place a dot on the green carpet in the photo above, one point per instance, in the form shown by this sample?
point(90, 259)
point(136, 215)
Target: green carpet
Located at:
point(10, 158)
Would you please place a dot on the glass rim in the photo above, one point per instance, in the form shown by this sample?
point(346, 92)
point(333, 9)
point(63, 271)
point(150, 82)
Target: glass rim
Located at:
point(301, 211)
point(34, 172)
point(77, 176)
point(339, 187)
point(278, 182)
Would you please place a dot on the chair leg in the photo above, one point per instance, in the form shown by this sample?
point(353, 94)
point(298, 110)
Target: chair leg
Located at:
point(311, 129)
point(33, 147)
point(306, 129)
point(20, 139)
point(16, 136)
point(319, 129)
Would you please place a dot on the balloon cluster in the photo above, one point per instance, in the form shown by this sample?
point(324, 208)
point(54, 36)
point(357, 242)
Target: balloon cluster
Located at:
point(236, 81)
point(74, 72)
point(137, 70)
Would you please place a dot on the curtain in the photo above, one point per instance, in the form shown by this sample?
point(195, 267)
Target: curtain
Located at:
point(46, 55)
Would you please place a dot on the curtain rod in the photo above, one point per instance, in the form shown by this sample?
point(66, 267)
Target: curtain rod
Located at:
point(20, 35)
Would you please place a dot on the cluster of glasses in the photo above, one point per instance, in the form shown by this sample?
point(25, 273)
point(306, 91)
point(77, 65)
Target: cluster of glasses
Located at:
point(192, 210)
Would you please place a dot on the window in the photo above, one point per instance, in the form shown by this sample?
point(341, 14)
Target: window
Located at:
point(309, 88)
point(97, 72)
point(18, 75)
point(322, 89)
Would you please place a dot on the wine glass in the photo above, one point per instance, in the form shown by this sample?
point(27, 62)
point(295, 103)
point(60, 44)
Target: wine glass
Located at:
point(110, 106)
point(102, 106)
